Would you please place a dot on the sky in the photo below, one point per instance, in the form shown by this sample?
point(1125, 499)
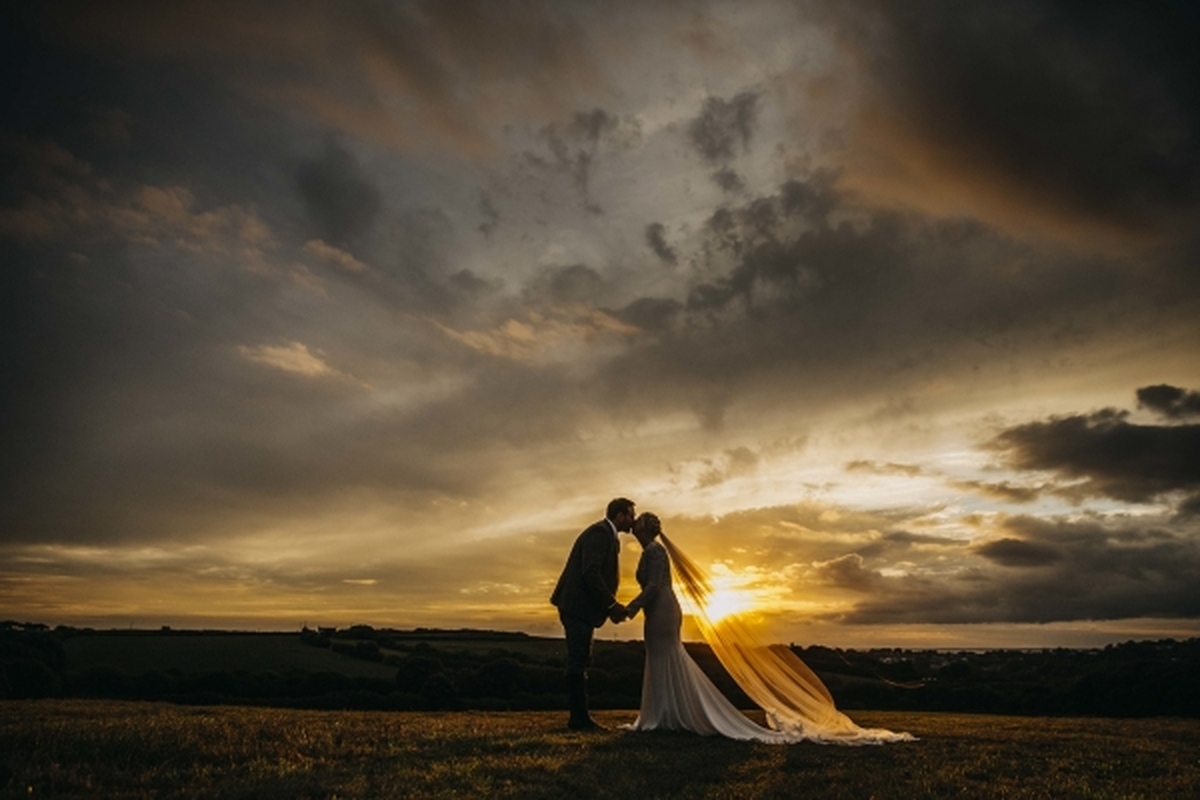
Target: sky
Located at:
point(337, 313)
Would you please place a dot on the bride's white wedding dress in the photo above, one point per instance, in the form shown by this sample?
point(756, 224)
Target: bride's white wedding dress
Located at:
point(677, 695)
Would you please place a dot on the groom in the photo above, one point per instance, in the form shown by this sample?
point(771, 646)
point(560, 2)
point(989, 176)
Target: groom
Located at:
point(586, 597)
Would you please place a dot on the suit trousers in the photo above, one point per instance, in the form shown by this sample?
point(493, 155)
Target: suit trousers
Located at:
point(579, 634)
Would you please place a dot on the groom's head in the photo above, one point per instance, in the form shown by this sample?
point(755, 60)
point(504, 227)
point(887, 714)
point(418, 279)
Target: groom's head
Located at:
point(621, 513)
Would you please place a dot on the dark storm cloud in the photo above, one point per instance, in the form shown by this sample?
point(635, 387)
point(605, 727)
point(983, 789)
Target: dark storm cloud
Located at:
point(654, 314)
point(1108, 454)
point(491, 217)
point(728, 180)
point(577, 283)
point(411, 265)
point(340, 198)
point(590, 126)
point(848, 572)
point(1018, 553)
point(162, 383)
point(1092, 108)
point(808, 281)
point(576, 163)
point(1049, 570)
point(656, 238)
point(1190, 506)
point(1169, 401)
point(722, 125)
point(339, 63)
point(796, 293)
point(576, 145)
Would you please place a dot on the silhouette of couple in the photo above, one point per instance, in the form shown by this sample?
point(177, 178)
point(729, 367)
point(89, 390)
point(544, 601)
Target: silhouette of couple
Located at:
point(676, 694)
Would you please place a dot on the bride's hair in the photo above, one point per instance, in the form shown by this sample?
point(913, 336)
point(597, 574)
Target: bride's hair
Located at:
point(692, 579)
point(651, 521)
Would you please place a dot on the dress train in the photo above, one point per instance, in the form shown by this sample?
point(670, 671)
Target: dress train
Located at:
point(677, 695)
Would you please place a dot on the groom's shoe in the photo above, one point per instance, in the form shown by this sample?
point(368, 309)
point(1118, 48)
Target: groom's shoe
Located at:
point(580, 719)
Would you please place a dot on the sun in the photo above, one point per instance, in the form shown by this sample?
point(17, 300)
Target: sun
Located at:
point(725, 601)
point(728, 594)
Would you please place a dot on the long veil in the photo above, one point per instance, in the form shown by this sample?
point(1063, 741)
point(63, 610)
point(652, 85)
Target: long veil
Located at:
point(795, 700)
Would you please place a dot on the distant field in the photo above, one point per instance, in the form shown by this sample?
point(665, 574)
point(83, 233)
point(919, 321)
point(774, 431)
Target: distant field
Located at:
point(534, 647)
point(253, 652)
point(57, 748)
point(271, 652)
point(542, 649)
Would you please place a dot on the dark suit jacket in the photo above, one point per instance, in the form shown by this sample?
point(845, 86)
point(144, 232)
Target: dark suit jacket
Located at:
point(587, 587)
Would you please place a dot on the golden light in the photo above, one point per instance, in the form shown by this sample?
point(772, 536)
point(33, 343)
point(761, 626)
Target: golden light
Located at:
point(725, 601)
point(729, 595)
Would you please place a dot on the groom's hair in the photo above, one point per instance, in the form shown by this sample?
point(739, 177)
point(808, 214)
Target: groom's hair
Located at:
point(617, 506)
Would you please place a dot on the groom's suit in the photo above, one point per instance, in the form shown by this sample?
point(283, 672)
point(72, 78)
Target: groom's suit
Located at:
point(587, 588)
point(585, 594)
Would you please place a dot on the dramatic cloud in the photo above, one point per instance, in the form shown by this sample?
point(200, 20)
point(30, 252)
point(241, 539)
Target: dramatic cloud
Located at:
point(302, 305)
point(1092, 127)
point(1018, 553)
point(1170, 401)
point(1056, 570)
point(1104, 453)
point(655, 237)
point(723, 125)
point(338, 196)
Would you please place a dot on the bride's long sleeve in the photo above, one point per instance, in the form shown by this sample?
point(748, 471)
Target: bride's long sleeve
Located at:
point(653, 574)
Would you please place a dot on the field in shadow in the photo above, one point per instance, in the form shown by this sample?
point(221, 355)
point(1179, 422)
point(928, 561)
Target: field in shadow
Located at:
point(122, 749)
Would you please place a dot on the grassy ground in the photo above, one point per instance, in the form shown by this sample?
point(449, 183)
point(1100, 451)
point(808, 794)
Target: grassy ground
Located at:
point(111, 749)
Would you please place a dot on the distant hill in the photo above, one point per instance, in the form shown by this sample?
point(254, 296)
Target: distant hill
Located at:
point(366, 667)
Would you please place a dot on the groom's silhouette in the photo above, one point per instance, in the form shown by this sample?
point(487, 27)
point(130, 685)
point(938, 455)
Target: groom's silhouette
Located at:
point(586, 597)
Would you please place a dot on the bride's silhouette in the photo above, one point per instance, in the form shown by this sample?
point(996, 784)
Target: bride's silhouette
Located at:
point(677, 695)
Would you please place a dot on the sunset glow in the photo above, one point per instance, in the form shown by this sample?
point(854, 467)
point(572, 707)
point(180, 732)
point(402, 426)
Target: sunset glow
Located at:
point(725, 602)
point(729, 596)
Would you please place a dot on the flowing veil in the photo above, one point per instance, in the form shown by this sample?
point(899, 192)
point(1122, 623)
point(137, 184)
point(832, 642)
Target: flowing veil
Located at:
point(795, 700)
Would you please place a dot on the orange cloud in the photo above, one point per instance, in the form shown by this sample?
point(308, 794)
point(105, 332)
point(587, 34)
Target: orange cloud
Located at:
point(538, 338)
point(294, 357)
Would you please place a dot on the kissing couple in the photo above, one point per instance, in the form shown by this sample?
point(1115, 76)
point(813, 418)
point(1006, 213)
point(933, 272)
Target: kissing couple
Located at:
point(676, 694)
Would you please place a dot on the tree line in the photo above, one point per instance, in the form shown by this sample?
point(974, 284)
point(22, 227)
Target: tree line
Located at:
point(434, 671)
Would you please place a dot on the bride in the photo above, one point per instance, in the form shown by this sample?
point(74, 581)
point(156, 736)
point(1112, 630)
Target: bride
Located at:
point(677, 695)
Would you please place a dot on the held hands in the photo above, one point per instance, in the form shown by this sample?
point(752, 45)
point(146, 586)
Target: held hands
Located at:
point(620, 613)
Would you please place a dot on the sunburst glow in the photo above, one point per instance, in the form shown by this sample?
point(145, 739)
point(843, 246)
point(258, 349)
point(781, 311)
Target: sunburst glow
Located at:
point(730, 595)
point(726, 601)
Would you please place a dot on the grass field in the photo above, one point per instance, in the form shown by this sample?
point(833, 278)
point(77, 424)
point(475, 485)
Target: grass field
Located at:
point(111, 749)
